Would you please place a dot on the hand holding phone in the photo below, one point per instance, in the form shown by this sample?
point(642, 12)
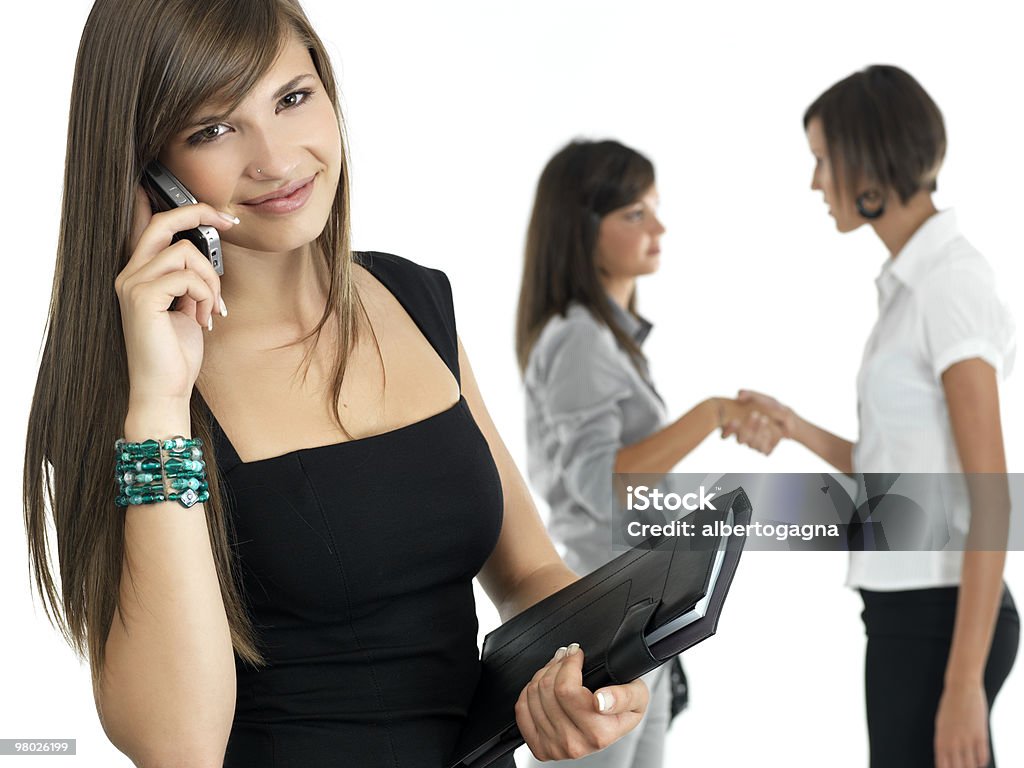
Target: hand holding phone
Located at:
point(164, 344)
point(167, 193)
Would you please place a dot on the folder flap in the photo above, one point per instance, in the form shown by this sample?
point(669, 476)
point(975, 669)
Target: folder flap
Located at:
point(627, 656)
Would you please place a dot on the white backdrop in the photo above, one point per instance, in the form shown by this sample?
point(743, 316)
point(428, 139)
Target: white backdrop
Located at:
point(453, 108)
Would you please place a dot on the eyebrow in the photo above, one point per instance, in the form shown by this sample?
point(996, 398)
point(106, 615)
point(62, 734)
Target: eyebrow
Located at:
point(287, 87)
point(280, 93)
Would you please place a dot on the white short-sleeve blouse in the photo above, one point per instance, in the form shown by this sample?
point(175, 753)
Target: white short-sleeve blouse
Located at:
point(938, 305)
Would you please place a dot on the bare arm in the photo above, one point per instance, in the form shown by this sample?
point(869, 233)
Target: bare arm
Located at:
point(166, 696)
point(524, 567)
point(557, 715)
point(166, 692)
point(835, 450)
point(661, 451)
point(972, 397)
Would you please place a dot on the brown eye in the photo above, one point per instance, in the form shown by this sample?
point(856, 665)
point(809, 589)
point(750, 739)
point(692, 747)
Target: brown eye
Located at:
point(294, 99)
point(208, 134)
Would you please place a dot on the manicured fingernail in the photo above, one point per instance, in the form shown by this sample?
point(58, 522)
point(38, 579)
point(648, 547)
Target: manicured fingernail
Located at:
point(228, 217)
point(223, 307)
point(560, 653)
point(572, 649)
point(209, 322)
point(605, 701)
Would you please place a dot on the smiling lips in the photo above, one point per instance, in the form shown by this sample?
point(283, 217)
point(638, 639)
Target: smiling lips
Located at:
point(285, 199)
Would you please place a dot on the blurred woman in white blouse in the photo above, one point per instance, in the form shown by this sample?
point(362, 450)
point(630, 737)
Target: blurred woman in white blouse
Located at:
point(942, 628)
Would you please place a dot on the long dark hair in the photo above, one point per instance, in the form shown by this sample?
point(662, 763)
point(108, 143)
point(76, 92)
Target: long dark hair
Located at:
point(143, 66)
point(883, 130)
point(581, 184)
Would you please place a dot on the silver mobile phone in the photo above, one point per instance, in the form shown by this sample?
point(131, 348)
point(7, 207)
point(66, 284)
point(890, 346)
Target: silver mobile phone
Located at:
point(166, 193)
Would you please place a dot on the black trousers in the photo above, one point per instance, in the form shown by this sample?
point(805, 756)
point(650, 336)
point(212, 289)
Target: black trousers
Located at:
point(909, 634)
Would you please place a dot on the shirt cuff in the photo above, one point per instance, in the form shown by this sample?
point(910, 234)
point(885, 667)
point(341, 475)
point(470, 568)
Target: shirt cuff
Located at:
point(970, 348)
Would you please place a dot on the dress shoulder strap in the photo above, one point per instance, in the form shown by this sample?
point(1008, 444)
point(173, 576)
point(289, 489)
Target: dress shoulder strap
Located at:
point(425, 294)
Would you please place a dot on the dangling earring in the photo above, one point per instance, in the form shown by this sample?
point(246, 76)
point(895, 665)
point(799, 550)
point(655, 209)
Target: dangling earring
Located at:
point(875, 199)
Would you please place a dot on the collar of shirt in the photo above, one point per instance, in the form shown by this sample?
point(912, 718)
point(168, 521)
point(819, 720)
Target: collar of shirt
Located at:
point(638, 329)
point(917, 257)
point(635, 326)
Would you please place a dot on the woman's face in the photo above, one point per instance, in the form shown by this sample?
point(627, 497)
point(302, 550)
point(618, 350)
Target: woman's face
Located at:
point(841, 209)
point(627, 239)
point(282, 138)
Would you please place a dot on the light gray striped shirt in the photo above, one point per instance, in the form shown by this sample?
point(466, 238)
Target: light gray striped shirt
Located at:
point(584, 401)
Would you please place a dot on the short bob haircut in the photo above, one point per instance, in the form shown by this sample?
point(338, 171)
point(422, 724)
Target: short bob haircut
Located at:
point(883, 131)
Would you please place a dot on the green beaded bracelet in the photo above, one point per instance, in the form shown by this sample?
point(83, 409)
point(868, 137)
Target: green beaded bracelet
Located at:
point(142, 469)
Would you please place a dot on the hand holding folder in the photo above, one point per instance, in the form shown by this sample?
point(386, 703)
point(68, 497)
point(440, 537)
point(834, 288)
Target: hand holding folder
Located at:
point(559, 718)
point(630, 616)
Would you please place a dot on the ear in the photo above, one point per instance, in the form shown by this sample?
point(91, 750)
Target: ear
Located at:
point(871, 203)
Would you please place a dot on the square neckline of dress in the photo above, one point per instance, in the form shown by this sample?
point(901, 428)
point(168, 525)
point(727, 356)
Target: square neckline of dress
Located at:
point(233, 460)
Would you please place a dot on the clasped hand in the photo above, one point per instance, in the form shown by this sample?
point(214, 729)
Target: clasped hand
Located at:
point(559, 718)
point(758, 421)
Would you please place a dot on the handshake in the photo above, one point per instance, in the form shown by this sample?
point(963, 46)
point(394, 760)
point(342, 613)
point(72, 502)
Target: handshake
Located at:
point(756, 420)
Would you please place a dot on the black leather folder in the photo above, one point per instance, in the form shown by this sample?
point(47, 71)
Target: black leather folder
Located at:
point(631, 615)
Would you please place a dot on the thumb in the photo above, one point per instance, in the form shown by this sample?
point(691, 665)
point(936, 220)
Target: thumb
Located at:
point(617, 699)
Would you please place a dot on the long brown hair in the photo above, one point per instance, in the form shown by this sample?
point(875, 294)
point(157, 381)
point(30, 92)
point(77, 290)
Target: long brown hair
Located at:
point(143, 67)
point(582, 183)
point(882, 129)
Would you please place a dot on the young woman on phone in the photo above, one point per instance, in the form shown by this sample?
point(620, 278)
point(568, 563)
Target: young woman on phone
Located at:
point(942, 628)
point(296, 589)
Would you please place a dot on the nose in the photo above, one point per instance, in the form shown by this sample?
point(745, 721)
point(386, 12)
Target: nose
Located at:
point(271, 157)
point(659, 228)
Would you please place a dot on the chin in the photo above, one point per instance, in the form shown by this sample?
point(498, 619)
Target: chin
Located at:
point(848, 226)
point(283, 240)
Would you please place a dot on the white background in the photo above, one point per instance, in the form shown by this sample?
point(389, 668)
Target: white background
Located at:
point(453, 108)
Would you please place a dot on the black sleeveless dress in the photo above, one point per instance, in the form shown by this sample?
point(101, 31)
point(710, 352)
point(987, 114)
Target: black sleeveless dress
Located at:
point(357, 562)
